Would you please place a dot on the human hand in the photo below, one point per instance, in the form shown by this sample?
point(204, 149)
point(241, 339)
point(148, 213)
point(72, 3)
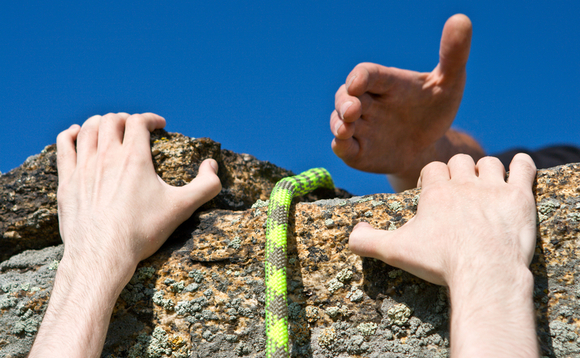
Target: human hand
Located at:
point(114, 211)
point(476, 234)
point(469, 220)
point(113, 207)
point(388, 120)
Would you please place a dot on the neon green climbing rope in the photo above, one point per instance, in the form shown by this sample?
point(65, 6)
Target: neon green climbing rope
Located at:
point(276, 226)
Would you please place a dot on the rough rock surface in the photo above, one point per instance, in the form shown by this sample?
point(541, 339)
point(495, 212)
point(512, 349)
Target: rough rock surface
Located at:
point(202, 294)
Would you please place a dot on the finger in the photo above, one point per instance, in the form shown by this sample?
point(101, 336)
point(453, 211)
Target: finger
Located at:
point(396, 248)
point(347, 107)
point(366, 241)
point(490, 169)
point(462, 167)
point(66, 154)
point(339, 128)
point(346, 149)
point(138, 128)
point(203, 188)
point(433, 173)
point(87, 140)
point(366, 102)
point(111, 130)
point(522, 171)
point(370, 77)
point(455, 44)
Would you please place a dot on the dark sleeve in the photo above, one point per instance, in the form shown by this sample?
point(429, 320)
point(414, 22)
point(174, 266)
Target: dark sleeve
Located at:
point(544, 158)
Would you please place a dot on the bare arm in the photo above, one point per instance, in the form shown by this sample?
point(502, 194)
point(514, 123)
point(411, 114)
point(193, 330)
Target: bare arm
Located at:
point(114, 211)
point(474, 233)
point(452, 143)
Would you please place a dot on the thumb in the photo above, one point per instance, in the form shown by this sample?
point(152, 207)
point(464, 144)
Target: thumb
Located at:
point(455, 43)
point(200, 190)
point(399, 249)
point(369, 242)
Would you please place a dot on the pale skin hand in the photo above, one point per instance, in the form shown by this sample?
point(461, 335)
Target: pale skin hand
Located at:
point(393, 121)
point(474, 233)
point(114, 211)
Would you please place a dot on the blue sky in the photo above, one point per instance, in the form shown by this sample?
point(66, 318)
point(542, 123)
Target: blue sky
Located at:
point(260, 76)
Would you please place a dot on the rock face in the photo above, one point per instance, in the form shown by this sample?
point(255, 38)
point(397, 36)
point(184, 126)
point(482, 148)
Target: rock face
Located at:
point(202, 294)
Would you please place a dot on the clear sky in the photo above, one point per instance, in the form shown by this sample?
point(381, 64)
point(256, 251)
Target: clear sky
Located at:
point(260, 76)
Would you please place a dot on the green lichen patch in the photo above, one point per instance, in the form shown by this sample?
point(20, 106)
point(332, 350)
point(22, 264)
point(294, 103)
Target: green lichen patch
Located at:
point(367, 329)
point(395, 206)
point(399, 314)
point(311, 313)
point(376, 203)
point(344, 275)
point(177, 287)
point(327, 337)
point(160, 300)
point(334, 285)
point(260, 204)
point(546, 207)
point(355, 294)
point(53, 265)
point(159, 344)
point(196, 275)
point(236, 243)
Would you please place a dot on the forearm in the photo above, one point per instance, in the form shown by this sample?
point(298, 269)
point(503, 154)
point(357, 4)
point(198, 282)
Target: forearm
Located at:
point(493, 316)
point(77, 318)
point(452, 143)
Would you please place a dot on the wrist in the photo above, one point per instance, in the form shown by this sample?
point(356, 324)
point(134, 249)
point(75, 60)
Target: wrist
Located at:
point(492, 313)
point(81, 303)
point(93, 274)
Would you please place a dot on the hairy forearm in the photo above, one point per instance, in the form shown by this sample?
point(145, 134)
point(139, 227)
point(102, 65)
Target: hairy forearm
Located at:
point(452, 143)
point(493, 316)
point(77, 318)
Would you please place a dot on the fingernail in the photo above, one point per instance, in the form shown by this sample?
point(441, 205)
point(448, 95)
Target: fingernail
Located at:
point(214, 165)
point(344, 107)
point(337, 127)
point(350, 82)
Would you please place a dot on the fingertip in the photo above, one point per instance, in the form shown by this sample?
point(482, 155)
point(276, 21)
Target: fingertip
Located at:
point(345, 149)
point(362, 226)
point(349, 80)
point(367, 241)
point(208, 181)
point(522, 170)
point(357, 80)
point(433, 172)
point(214, 165)
point(155, 121)
point(361, 240)
point(341, 129)
point(455, 43)
point(524, 158)
point(209, 164)
point(66, 152)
